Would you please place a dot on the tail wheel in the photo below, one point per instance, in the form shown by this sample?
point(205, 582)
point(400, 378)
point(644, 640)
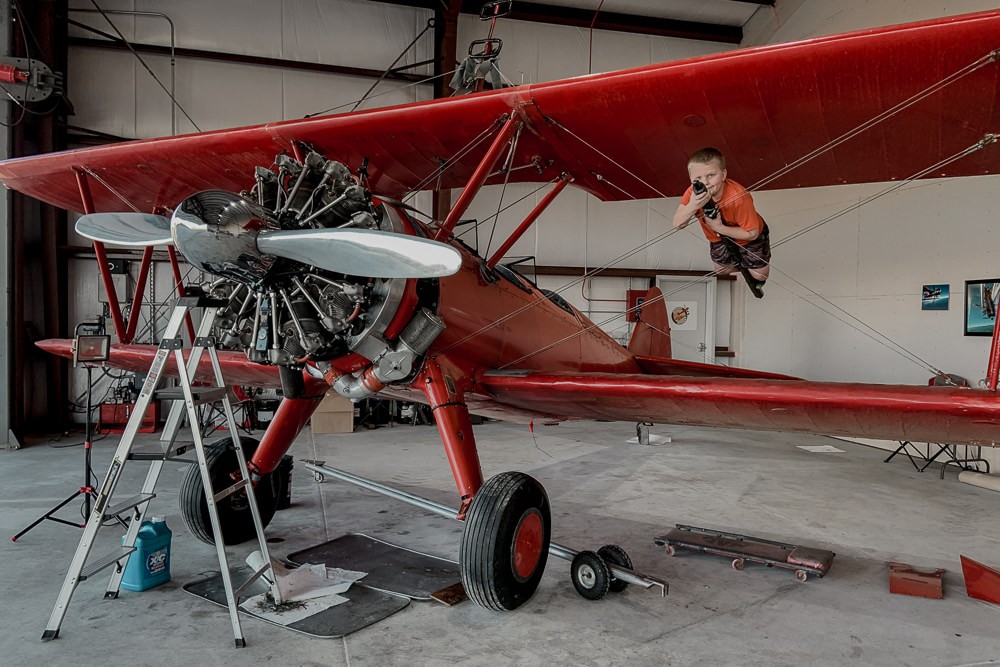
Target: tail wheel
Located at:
point(615, 555)
point(506, 541)
point(591, 576)
point(235, 516)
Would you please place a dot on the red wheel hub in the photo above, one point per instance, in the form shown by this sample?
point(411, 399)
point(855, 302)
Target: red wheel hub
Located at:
point(526, 549)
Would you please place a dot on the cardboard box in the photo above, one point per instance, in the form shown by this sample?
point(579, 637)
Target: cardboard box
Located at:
point(114, 417)
point(334, 402)
point(333, 422)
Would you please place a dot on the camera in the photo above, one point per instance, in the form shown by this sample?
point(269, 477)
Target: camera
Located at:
point(711, 209)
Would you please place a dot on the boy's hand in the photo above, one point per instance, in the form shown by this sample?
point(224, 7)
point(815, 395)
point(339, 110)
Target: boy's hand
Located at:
point(716, 225)
point(700, 199)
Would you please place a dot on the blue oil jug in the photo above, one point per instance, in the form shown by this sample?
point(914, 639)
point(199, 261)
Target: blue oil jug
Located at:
point(149, 564)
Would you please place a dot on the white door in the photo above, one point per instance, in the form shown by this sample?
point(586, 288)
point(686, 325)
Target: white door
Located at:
point(690, 306)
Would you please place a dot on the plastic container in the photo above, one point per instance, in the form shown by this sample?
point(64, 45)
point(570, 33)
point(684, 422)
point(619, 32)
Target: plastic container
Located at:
point(149, 564)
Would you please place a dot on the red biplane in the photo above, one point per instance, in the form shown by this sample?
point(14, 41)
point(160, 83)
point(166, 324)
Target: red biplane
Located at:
point(336, 283)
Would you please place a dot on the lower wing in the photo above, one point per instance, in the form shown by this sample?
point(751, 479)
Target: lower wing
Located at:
point(892, 412)
point(236, 368)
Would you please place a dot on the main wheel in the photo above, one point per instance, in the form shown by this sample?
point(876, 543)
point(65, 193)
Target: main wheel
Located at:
point(235, 517)
point(506, 541)
point(591, 576)
point(614, 554)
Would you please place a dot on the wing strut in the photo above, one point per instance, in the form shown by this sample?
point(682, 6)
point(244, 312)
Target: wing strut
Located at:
point(124, 332)
point(564, 180)
point(87, 199)
point(478, 177)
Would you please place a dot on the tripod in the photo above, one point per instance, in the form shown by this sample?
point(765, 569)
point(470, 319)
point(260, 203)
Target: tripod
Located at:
point(87, 490)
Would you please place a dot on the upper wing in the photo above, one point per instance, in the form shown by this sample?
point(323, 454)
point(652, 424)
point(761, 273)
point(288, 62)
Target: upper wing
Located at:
point(620, 135)
point(890, 412)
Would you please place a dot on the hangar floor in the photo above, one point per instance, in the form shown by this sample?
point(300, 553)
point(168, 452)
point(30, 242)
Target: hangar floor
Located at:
point(602, 490)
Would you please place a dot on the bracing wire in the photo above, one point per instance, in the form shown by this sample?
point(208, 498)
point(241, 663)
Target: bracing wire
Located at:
point(135, 53)
point(508, 163)
point(430, 24)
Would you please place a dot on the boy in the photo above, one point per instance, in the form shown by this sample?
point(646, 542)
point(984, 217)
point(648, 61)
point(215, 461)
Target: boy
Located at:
point(738, 236)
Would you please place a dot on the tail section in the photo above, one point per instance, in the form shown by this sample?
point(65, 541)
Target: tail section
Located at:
point(651, 336)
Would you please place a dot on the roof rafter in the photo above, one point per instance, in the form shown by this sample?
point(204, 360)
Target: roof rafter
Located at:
point(583, 18)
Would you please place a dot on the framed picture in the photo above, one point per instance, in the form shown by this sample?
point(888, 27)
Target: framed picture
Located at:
point(981, 306)
point(935, 297)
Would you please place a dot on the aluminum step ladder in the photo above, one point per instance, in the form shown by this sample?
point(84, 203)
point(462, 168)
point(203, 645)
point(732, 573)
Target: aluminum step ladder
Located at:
point(187, 400)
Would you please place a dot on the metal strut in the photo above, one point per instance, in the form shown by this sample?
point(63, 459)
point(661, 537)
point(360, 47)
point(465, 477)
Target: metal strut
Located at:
point(320, 470)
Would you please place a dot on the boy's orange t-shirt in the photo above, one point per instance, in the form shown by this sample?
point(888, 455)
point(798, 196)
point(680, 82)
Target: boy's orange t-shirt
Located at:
point(737, 209)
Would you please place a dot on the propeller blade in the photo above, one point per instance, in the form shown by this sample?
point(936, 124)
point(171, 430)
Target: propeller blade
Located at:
point(127, 229)
point(363, 252)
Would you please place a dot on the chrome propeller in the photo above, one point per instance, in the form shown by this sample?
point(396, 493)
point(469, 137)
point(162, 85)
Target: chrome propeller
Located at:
point(220, 232)
point(125, 229)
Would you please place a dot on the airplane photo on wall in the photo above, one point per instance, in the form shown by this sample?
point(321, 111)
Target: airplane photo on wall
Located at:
point(981, 306)
point(935, 297)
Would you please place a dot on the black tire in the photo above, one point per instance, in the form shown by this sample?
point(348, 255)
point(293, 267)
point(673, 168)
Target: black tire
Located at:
point(505, 544)
point(590, 574)
point(615, 555)
point(235, 516)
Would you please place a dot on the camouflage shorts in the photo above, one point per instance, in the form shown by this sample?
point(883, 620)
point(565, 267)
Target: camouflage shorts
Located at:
point(754, 255)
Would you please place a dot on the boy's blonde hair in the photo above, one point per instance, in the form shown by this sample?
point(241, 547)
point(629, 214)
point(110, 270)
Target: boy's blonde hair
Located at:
point(706, 155)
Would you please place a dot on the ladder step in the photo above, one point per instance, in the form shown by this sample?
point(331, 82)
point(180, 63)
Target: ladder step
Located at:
point(225, 493)
point(105, 561)
point(200, 395)
point(129, 503)
point(170, 454)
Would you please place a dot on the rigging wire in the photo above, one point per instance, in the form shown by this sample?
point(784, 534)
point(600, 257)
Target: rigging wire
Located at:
point(135, 53)
point(372, 97)
point(508, 163)
point(990, 57)
point(509, 206)
point(448, 164)
point(430, 24)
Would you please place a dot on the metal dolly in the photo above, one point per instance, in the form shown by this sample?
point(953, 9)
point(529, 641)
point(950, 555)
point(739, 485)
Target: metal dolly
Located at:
point(742, 548)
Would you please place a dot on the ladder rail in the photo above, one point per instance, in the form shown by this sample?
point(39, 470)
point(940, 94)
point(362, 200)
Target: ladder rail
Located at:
point(245, 475)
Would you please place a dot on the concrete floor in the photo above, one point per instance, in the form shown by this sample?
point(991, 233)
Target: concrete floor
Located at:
point(602, 490)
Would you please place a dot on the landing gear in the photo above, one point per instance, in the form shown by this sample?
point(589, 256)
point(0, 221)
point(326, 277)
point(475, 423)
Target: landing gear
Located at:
point(506, 541)
point(615, 555)
point(235, 516)
point(591, 575)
